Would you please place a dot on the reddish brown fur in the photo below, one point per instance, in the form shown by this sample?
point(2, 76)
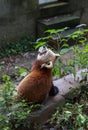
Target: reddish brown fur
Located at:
point(37, 84)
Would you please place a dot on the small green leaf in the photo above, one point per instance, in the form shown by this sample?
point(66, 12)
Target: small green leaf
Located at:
point(39, 44)
point(65, 50)
point(65, 45)
point(51, 31)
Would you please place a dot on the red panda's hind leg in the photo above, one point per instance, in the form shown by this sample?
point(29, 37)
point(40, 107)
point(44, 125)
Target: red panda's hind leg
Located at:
point(54, 90)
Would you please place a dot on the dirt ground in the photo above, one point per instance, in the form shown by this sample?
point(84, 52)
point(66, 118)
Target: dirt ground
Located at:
point(8, 65)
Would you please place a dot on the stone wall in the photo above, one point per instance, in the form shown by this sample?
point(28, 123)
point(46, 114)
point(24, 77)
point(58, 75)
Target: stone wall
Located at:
point(17, 18)
point(80, 7)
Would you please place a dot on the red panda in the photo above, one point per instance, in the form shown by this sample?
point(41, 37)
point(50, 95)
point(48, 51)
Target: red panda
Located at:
point(38, 83)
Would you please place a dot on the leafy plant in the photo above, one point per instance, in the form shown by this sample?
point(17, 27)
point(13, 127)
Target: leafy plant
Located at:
point(51, 34)
point(13, 114)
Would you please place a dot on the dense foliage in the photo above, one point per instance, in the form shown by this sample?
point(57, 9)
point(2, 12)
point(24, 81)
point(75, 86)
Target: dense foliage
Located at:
point(74, 114)
point(15, 48)
point(13, 113)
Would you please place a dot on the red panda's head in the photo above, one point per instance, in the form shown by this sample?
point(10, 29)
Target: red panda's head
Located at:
point(47, 56)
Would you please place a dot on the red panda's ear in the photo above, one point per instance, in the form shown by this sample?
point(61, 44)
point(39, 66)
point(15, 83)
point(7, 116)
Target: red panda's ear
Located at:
point(48, 65)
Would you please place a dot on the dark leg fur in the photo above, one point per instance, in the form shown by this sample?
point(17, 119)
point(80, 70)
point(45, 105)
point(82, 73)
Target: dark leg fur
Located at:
point(54, 90)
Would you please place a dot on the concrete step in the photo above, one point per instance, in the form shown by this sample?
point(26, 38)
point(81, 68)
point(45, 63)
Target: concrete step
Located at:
point(46, 1)
point(53, 9)
point(56, 23)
